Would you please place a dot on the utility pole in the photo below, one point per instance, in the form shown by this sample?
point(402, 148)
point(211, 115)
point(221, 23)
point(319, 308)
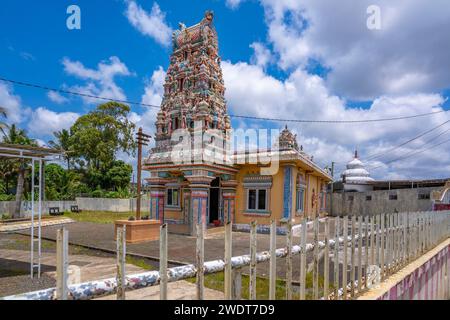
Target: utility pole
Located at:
point(332, 189)
point(142, 140)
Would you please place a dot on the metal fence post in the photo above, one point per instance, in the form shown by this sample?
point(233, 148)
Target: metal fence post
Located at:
point(382, 221)
point(252, 283)
point(200, 259)
point(228, 255)
point(326, 261)
point(273, 261)
point(289, 261)
point(62, 262)
point(121, 254)
point(360, 236)
point(345, 260)
point(336, 258)
point(237, 284)
point(303, 260)
point(352, 257)
point(163, 262)
point(372, 239)
point(316, 259)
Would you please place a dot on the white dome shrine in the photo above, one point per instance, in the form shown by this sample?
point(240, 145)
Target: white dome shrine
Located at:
point(356, 172)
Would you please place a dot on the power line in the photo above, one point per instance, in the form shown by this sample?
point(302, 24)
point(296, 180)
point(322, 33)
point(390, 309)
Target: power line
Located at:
point(423, 145)
point(375, 156)
point(25, 84)
point(413, 153)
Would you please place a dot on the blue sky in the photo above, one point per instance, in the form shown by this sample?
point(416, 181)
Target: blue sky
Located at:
point(281, 59)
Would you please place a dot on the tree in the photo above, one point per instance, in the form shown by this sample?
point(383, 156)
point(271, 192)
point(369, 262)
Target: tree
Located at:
point(2, 114)
point(100, 134)
point(62, 143)
point(18, 136)
point(119, 175)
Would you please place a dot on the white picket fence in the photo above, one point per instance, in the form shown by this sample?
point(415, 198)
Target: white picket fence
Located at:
point(368, 247)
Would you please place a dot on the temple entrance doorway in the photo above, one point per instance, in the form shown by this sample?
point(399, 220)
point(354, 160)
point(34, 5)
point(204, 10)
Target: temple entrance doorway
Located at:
point(214, 200)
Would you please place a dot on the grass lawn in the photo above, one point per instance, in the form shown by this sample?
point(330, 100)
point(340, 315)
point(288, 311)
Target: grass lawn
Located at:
point(103, 217)
point(216, 281)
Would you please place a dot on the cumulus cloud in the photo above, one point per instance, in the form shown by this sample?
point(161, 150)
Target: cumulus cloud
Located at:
point(262, 55)
point(12, 104)
point(153, 94)
point(251, 91)
point(409, 54)
point(56, 97)
point(151, 24)
point(100, 81)
point(233, 4)
point(44, 122)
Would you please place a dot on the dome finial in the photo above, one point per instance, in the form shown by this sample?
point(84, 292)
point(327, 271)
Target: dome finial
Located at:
point(356, 153)
point(285, 126)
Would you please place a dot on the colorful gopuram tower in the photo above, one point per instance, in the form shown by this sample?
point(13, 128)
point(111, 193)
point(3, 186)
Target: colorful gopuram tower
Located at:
point(193, 100)
point(194, 88)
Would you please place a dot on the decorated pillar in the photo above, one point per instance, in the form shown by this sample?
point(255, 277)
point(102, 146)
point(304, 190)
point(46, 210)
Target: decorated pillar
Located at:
point(229, 201)
point(157, 183)
point(157, 195)
point(187, 205)
point(199, 183)
point(288, 184)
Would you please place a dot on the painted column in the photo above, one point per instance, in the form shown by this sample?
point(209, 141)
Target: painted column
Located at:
point(157, 195)
point(187, 206)
point(229, 201)
point(287, 191)
point(199, 204)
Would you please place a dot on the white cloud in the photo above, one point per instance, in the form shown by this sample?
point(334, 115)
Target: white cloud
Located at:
point(151, 24)
point(250, 91)
point(408, 55)
point(262, 55)
point(12, 104)
point(56, 97)
point(44, 122)
point(100, 81)
point(153, 94)
point(154, 88)
point(233, 4)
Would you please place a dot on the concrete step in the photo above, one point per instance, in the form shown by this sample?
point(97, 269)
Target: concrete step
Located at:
point(215, 230)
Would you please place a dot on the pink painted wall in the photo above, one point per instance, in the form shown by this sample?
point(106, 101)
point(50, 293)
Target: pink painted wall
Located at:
point(428, 282)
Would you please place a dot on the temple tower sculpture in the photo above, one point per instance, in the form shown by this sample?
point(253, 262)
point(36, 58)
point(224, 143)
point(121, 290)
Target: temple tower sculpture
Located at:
point(194, 87)
point(193, 100)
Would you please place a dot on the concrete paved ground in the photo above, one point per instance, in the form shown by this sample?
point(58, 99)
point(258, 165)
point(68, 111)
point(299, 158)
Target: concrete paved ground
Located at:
point(181, 247)
point(83, 268)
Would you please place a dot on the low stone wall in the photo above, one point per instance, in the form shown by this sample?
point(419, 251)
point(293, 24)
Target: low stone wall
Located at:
point(375, 202)
point(113, 205)
point(7, 207)
point(85, 204)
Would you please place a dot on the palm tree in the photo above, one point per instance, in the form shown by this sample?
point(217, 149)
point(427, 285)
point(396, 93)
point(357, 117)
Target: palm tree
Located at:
point(62, 143)
point(18, 136)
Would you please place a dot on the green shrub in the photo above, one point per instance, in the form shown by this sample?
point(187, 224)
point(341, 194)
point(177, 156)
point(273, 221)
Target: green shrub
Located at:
point(6, 197)
point(97, 193)
point(112, 194)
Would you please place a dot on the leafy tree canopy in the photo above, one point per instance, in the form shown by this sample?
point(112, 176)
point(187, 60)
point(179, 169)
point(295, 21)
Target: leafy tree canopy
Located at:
point(100, 134)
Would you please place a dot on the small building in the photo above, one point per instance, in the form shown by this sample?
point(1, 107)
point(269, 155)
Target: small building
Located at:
point(441, 198)
point(356, 177)
point(186, 187)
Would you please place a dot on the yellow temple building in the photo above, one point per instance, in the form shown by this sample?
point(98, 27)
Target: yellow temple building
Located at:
point(235, 186)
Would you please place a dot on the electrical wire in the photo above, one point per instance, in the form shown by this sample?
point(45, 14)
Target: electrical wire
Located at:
point(413, 153)
point(375, 156)
point(25, 84)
